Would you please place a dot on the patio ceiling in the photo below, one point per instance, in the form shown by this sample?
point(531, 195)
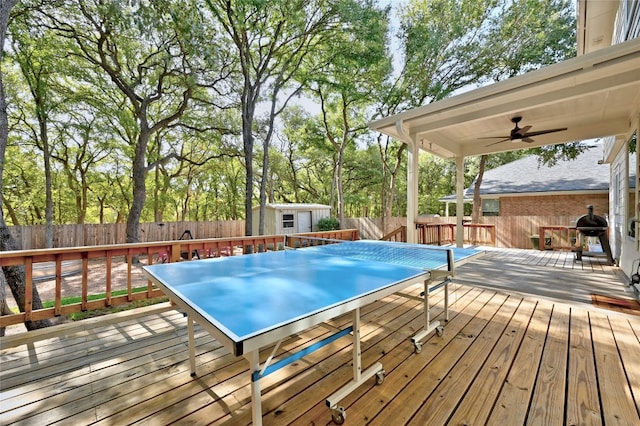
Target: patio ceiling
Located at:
point(593, 95)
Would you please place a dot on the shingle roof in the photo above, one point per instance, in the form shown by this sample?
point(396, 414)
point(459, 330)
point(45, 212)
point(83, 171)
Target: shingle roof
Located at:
point(525, 176)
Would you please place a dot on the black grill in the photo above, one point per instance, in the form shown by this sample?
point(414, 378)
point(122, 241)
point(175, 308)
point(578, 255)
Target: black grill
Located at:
point(591, 225)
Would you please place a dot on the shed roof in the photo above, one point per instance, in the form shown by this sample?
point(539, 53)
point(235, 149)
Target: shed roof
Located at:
point(294, 206)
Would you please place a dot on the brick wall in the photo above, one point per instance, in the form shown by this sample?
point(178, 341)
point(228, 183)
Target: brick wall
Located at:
point(548, 205)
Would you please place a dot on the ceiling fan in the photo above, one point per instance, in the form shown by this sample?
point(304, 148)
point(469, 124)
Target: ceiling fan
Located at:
point(522, 134)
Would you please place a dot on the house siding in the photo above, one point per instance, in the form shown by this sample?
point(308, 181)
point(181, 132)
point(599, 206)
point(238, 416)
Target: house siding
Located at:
point(626, 249)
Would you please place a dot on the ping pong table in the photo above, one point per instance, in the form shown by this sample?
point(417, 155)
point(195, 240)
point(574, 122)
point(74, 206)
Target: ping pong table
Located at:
point(255, 301)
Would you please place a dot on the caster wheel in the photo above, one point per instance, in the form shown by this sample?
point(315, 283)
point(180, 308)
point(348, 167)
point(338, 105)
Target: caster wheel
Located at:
point(417, 347)
point(440, 331)
point(338, 415)
point(379, 377)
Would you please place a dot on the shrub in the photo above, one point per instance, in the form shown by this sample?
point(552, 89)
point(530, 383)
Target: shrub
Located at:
point(328, 224)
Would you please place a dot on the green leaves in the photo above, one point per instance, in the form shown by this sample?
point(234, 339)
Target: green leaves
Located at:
point(173, 93)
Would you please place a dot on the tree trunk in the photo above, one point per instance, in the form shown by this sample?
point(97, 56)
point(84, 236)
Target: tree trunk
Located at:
point(15, 277)
point(12, 213)
point(247, 138)
point(263, 186)
point(477, 204)
point(339, 190)
point(139, 186)
point(4, 307)
point(388, 195)
point(44, 137)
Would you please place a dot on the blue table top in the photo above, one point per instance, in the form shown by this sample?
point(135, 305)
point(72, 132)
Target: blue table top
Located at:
point(243, 296)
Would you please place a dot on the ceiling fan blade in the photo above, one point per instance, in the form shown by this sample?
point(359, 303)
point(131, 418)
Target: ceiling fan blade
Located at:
point(527, 139)
point(498, 137)
point(544, 132)
point(524, 130)
point(495, 143)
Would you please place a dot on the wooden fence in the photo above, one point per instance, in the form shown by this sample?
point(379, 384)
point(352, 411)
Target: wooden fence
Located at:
point(371, 228)
point(32, 237)
point(511, 232)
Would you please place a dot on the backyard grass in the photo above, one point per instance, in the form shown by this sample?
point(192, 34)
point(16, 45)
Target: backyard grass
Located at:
point(77, 316)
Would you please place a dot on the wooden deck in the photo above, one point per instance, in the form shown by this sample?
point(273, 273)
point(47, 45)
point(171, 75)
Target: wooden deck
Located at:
point(508, 356)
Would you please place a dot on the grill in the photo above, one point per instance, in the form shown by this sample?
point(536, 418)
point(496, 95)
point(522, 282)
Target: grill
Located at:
point(591, 225)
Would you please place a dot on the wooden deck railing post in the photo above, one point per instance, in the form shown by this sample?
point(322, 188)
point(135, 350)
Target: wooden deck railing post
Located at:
point(129, 266)
point(28, 291)
point(108, 279)
point(85, 281)
point(58, 302)
point(175, 252)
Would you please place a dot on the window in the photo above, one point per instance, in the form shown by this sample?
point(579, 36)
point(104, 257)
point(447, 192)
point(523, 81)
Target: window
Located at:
point(490, 207)
point(618, 189)
point(287, 220)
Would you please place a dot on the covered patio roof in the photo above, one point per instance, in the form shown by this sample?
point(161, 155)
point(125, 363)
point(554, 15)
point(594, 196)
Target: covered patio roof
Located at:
point(593, 95)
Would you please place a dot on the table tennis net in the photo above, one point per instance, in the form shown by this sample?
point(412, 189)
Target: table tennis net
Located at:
point(414, 255)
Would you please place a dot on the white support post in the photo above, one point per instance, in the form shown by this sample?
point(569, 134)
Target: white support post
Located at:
point(459, 201)
point(412, 191)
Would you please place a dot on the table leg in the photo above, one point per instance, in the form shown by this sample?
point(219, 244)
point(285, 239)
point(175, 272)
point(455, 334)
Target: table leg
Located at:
point(192, 345)
point(428, 325)
point(338, 413)
point(446, 301)
point(357, 365)
point(256, 397)
point(426, 313)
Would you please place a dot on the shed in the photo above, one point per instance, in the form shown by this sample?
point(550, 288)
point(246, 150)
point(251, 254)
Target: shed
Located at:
point(289, 218)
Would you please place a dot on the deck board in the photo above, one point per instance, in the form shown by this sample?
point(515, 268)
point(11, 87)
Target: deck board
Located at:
point(452, 386)
point(478, 402)
point(523, 345)
point(583, 408)
point(546, 408)
point(617, 399)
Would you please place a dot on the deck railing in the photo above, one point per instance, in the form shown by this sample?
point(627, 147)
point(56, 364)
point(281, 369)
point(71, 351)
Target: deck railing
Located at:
point(398, 235)
point(321, 237)
point(445, 233)
point(125, 261)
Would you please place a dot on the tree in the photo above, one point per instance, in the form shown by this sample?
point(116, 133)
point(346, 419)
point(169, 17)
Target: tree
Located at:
point(271, 39)
point(80, 151)
point(527, 35)
point(147, 54)
point(32, 52)
point(345, 74)
point(448, 45)
point(440, 52)
point(307, 172)
point(14, 275)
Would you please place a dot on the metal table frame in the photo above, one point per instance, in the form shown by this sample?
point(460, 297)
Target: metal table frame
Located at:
point(250, 348)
